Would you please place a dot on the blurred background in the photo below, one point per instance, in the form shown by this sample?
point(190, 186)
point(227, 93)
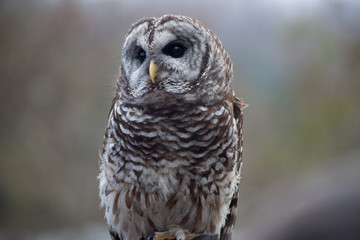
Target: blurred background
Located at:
point(296, 63)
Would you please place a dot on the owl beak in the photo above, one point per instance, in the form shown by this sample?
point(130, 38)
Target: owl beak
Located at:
point(153, 70)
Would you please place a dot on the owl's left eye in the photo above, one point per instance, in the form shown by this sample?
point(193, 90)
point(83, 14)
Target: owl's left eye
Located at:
point(175, 50)
point(141, 55)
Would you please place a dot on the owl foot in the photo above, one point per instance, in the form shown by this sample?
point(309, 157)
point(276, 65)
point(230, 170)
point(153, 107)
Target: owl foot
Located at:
point(180, 234)
point(173, 234)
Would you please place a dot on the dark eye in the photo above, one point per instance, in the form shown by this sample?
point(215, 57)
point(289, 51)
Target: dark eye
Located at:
point(141, 55)
point(175, 50)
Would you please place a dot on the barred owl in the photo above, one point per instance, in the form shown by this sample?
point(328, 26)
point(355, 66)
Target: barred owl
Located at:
point(172, 151)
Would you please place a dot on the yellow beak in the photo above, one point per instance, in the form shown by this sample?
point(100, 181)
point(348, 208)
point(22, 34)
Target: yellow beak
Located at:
point(153, 70)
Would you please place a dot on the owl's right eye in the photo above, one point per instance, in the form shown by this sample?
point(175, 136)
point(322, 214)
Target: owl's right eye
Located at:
point(141, 55)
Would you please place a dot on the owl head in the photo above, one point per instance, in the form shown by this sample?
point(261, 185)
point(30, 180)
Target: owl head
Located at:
point(173, 60)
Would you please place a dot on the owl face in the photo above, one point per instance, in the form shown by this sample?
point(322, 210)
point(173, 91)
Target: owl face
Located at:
point(169, 58)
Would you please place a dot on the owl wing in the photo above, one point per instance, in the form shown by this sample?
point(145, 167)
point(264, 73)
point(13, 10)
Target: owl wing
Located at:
point(226, 230)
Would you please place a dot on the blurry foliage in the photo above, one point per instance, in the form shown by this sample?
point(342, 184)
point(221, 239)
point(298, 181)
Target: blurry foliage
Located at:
point(325, 90)
point(52, 96)
point(316, 116)
point(58, 65)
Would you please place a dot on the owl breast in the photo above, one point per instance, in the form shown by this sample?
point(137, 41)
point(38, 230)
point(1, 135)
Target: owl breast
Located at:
point(164, 169)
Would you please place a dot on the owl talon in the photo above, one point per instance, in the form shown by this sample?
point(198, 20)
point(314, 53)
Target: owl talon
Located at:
point(151, 236)
point(176, 234)
point(207, 237)
point(160, 236)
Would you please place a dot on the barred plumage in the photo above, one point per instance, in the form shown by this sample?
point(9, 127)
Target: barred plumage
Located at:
point(173, 144)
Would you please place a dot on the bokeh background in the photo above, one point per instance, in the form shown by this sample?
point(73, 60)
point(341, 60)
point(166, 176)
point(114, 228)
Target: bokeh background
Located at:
point(296, 63)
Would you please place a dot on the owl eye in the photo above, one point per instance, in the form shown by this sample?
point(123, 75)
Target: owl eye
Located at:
point(175, 50)
point(141, 55)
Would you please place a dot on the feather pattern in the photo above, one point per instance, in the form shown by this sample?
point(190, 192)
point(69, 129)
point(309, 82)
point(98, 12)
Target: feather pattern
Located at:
point(172, 149)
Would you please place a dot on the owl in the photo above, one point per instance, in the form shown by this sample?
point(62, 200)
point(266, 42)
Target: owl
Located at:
point(172, 151)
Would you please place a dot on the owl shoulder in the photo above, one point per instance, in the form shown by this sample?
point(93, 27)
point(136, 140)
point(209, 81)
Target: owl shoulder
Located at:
point(238, 105)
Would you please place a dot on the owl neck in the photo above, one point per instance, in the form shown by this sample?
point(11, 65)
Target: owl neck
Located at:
point(167, 103)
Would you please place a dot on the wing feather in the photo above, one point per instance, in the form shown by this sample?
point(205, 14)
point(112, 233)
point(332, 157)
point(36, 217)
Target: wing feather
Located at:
point(226, 230)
